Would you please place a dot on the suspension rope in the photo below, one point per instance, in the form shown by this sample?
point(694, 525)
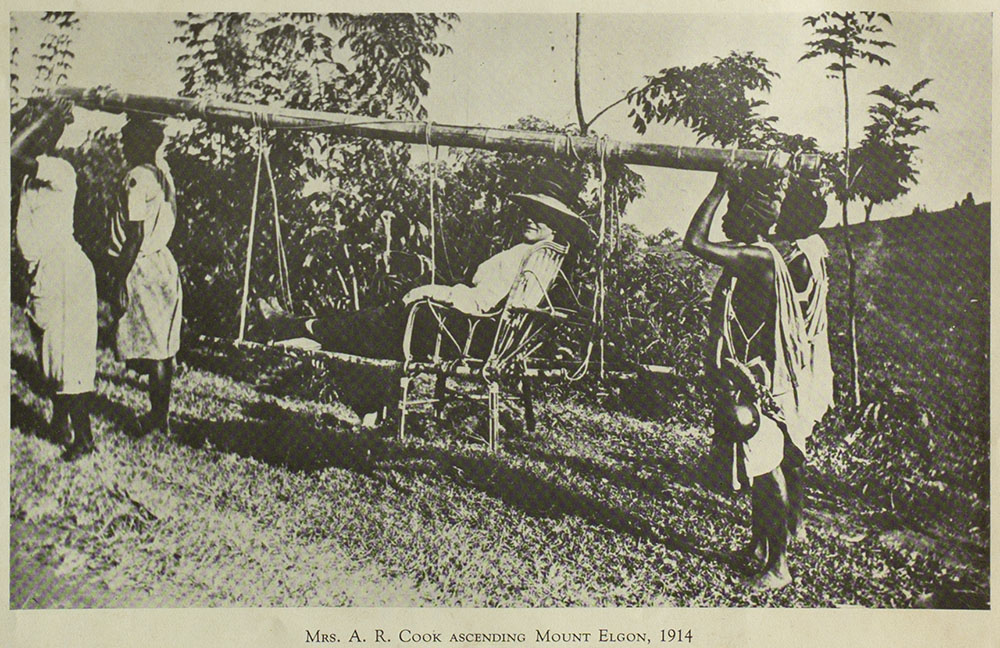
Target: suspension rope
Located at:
point(570, 149)
point(769, 158)
point(284, 280)
point(431, 181)
point(597, 311)
point(603, 145)
point(253, 226)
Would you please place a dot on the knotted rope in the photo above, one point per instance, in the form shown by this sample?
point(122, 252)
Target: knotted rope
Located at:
point(597, 316)
point(431, 181)
point(284, 281)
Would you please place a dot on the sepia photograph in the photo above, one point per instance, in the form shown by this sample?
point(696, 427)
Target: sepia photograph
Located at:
point(526, 312)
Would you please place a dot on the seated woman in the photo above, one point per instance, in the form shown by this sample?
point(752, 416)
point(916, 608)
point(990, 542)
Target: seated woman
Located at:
point(769, 355)
point(378, 332)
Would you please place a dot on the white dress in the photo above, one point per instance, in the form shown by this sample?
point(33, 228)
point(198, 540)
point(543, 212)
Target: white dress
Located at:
point(63, 298)
point(151, 326)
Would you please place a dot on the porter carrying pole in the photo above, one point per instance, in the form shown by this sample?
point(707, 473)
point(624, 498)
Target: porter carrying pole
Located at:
point(428, 133)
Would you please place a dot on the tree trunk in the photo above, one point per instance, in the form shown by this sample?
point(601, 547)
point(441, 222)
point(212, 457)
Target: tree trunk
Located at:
point(849, 252)
point(576, 80)
point(868, 210)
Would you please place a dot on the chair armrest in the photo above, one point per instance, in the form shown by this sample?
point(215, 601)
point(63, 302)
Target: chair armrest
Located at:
point(558, 314)
point(433, 303)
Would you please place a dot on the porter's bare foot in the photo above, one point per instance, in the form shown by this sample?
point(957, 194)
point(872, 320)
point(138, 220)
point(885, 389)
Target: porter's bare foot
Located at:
point(772, 579)
point(78, 449)
point(152, 424)
point(755, 552)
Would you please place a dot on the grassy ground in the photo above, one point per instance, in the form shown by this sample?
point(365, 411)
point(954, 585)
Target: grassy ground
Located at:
point(262, 499)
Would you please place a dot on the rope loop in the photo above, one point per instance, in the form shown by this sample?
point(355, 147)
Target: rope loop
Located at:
point(769, 159)
point(284, 279)
point(201, 108)
point(795, 164)
point(248, 263)
point(570, 149)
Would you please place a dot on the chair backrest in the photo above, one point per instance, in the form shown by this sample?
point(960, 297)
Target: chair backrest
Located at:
point(538, 272)
point(517, 331)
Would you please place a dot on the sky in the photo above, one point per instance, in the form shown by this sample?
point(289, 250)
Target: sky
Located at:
point(506, 66)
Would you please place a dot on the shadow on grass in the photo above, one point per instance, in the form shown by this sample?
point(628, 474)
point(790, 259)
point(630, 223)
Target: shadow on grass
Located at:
point(664, 476)
point(124, 378)
point(28, 370)
point(273, 370)
point(119, 417)
point(281, 437)
point(537, 496)
point(309, 442)
point(28, 420)
point(228, 361)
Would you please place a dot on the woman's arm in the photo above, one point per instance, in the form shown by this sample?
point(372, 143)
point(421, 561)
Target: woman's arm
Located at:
point(739, 258)
point(23, 149)
point(22, 155)
point(134, 233)
point(134, 203)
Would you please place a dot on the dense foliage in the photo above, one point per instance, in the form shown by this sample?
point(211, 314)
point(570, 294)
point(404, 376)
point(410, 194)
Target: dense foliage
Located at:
point(715, 99)
point(331, 192)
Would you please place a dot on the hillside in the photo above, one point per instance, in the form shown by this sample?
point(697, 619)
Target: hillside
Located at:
point(270, 495)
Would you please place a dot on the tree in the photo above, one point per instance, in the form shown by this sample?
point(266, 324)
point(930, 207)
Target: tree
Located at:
point(715, 99)
point(15, 52)
point(332, 190)
point(885, 159)
point(52, 55)
point(848, 37)
point(719, 101)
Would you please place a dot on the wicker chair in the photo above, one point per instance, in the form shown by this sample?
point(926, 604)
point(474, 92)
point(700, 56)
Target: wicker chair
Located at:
point(518, 330)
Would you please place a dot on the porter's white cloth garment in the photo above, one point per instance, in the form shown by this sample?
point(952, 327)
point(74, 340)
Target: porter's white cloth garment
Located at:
point(801, 379)
point(63, 298)
point(151, 326)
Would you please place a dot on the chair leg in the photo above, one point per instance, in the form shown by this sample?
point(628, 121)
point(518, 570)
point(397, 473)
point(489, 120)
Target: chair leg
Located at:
point(494, 414)
point(528, 403)
point(404, 394)
point(440, 393)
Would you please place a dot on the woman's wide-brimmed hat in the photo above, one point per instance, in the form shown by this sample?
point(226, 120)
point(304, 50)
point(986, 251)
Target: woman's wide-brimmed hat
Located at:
point(144, 129)
point(548, 203)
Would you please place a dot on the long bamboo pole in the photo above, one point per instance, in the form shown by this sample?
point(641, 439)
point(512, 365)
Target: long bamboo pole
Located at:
point(418, 132)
